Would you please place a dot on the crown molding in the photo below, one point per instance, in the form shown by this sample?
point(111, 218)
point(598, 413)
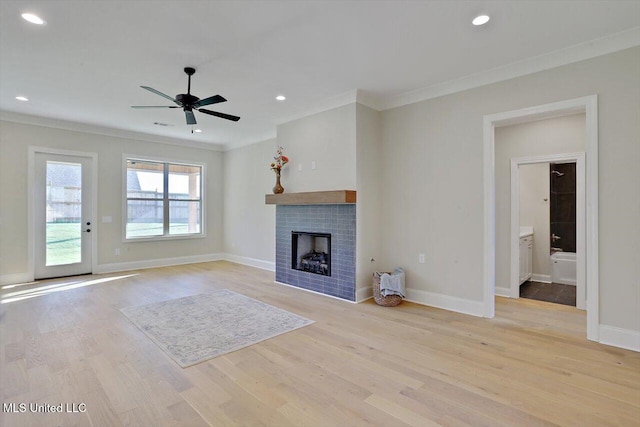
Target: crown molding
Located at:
point(346, 98)
point(351, 97)
point(340, 100)
point(101, 130)
point(369, 100)
point(580, 52)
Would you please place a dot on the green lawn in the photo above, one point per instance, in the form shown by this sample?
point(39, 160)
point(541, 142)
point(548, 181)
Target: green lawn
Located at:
point(154, 229)
point(63, 239)
point(63, 243)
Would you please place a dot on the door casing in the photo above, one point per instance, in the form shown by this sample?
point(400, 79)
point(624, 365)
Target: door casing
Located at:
point(31, 202)
point(589, 106)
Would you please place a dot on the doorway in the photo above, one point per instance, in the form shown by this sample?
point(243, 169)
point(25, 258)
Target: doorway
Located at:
point(571, 231)
point(589, 106)
point(62, 210)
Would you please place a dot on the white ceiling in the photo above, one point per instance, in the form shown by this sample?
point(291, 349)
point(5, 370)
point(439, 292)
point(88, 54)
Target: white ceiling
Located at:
point(87, 63)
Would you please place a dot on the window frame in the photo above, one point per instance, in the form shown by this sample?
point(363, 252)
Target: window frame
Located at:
point(165, 162)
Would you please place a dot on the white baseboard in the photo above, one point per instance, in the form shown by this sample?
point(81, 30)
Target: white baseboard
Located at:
point(313, 292)
point(364, 294)
point(10, 279)
point(251, 262)
point(543, 278)
point(459, 305)
point(618, 337)
point(503, 292)
point(153, 263)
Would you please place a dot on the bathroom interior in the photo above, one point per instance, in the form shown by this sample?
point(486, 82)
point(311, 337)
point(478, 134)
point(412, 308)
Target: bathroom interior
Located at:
point(548, 232)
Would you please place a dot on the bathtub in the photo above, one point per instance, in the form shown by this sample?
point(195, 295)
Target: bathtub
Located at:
point(563, 268)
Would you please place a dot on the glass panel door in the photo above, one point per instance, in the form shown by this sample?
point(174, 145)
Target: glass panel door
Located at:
point(62, 215)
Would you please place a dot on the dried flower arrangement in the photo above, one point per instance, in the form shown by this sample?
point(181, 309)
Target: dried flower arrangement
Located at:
point(279, 161)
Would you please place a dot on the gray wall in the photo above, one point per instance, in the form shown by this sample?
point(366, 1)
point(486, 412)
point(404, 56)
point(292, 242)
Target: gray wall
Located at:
point(368, 173)
point(551, 136)
point(15, 139)
point(248, 222)
point(328, 139)
point(433, 179)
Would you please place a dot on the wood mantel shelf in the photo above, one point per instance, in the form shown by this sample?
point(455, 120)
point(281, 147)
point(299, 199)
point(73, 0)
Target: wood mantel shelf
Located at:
point(312, 198)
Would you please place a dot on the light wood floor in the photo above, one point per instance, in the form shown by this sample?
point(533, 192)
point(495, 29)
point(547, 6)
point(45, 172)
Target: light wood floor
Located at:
point(358, 365)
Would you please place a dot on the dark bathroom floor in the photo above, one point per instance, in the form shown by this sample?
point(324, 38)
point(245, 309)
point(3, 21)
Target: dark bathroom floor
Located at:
point(549, 292)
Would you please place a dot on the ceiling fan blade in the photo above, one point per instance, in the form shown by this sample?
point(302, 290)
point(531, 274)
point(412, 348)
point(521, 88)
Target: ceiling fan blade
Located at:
point(150, 89)
point(221, 115)
point(154, 106)
point(208, 101)
point(191, 119)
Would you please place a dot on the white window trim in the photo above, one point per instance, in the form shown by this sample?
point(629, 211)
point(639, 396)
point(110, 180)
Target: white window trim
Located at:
point(203, 182)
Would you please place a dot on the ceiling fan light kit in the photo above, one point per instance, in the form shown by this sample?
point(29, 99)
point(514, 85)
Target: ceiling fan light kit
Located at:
point(189, 102)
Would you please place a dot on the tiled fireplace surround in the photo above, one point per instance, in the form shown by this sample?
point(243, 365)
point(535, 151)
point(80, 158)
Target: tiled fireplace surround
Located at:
point(339, 220)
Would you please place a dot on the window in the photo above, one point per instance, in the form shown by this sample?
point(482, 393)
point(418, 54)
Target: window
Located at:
point(163, 199)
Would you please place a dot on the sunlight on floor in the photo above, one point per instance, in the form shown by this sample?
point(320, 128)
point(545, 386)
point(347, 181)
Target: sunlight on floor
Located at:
point(49, 289)
point(15, 285)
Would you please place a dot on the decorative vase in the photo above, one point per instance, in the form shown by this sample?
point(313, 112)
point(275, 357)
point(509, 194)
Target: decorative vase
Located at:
point(278, 189)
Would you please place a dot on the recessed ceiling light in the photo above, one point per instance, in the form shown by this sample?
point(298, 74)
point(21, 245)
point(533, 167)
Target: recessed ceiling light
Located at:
point(197, 130)
point(281, 98)
point(480, 20)
point(34, 19)
point(22, 98)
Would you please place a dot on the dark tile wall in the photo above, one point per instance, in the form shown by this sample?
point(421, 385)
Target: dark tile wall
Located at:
point(340, 222)
point(563, 205)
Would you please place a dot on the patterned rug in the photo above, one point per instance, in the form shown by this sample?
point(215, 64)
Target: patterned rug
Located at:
point(196, 328)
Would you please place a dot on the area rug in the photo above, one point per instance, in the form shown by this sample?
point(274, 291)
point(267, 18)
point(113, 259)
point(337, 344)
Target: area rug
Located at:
point(199, 327)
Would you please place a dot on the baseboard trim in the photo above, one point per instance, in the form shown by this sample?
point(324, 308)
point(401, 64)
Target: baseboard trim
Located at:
point(459, 305)
point(313, 292)
point(503, 292)
point(154, 263)
point(364, 294)
point(543, 278)
point(251, 262)
point(12, 279)
point(619, 337)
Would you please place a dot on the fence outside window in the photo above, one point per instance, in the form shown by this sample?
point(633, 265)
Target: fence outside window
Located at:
point(163, 199)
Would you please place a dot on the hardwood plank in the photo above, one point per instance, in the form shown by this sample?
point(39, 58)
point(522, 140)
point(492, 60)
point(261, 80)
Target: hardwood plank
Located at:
point(401, 413)
point(184, 415)
point(14, 379)
point(208, 410)
point(357, 365)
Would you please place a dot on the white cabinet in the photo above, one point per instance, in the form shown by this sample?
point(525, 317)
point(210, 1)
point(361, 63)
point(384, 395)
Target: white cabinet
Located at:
point(526, 258)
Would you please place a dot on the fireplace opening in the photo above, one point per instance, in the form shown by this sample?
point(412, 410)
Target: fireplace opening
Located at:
point(311, 252)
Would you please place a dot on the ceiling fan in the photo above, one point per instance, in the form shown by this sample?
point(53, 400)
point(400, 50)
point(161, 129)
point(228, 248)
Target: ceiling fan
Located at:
point(189, 102)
